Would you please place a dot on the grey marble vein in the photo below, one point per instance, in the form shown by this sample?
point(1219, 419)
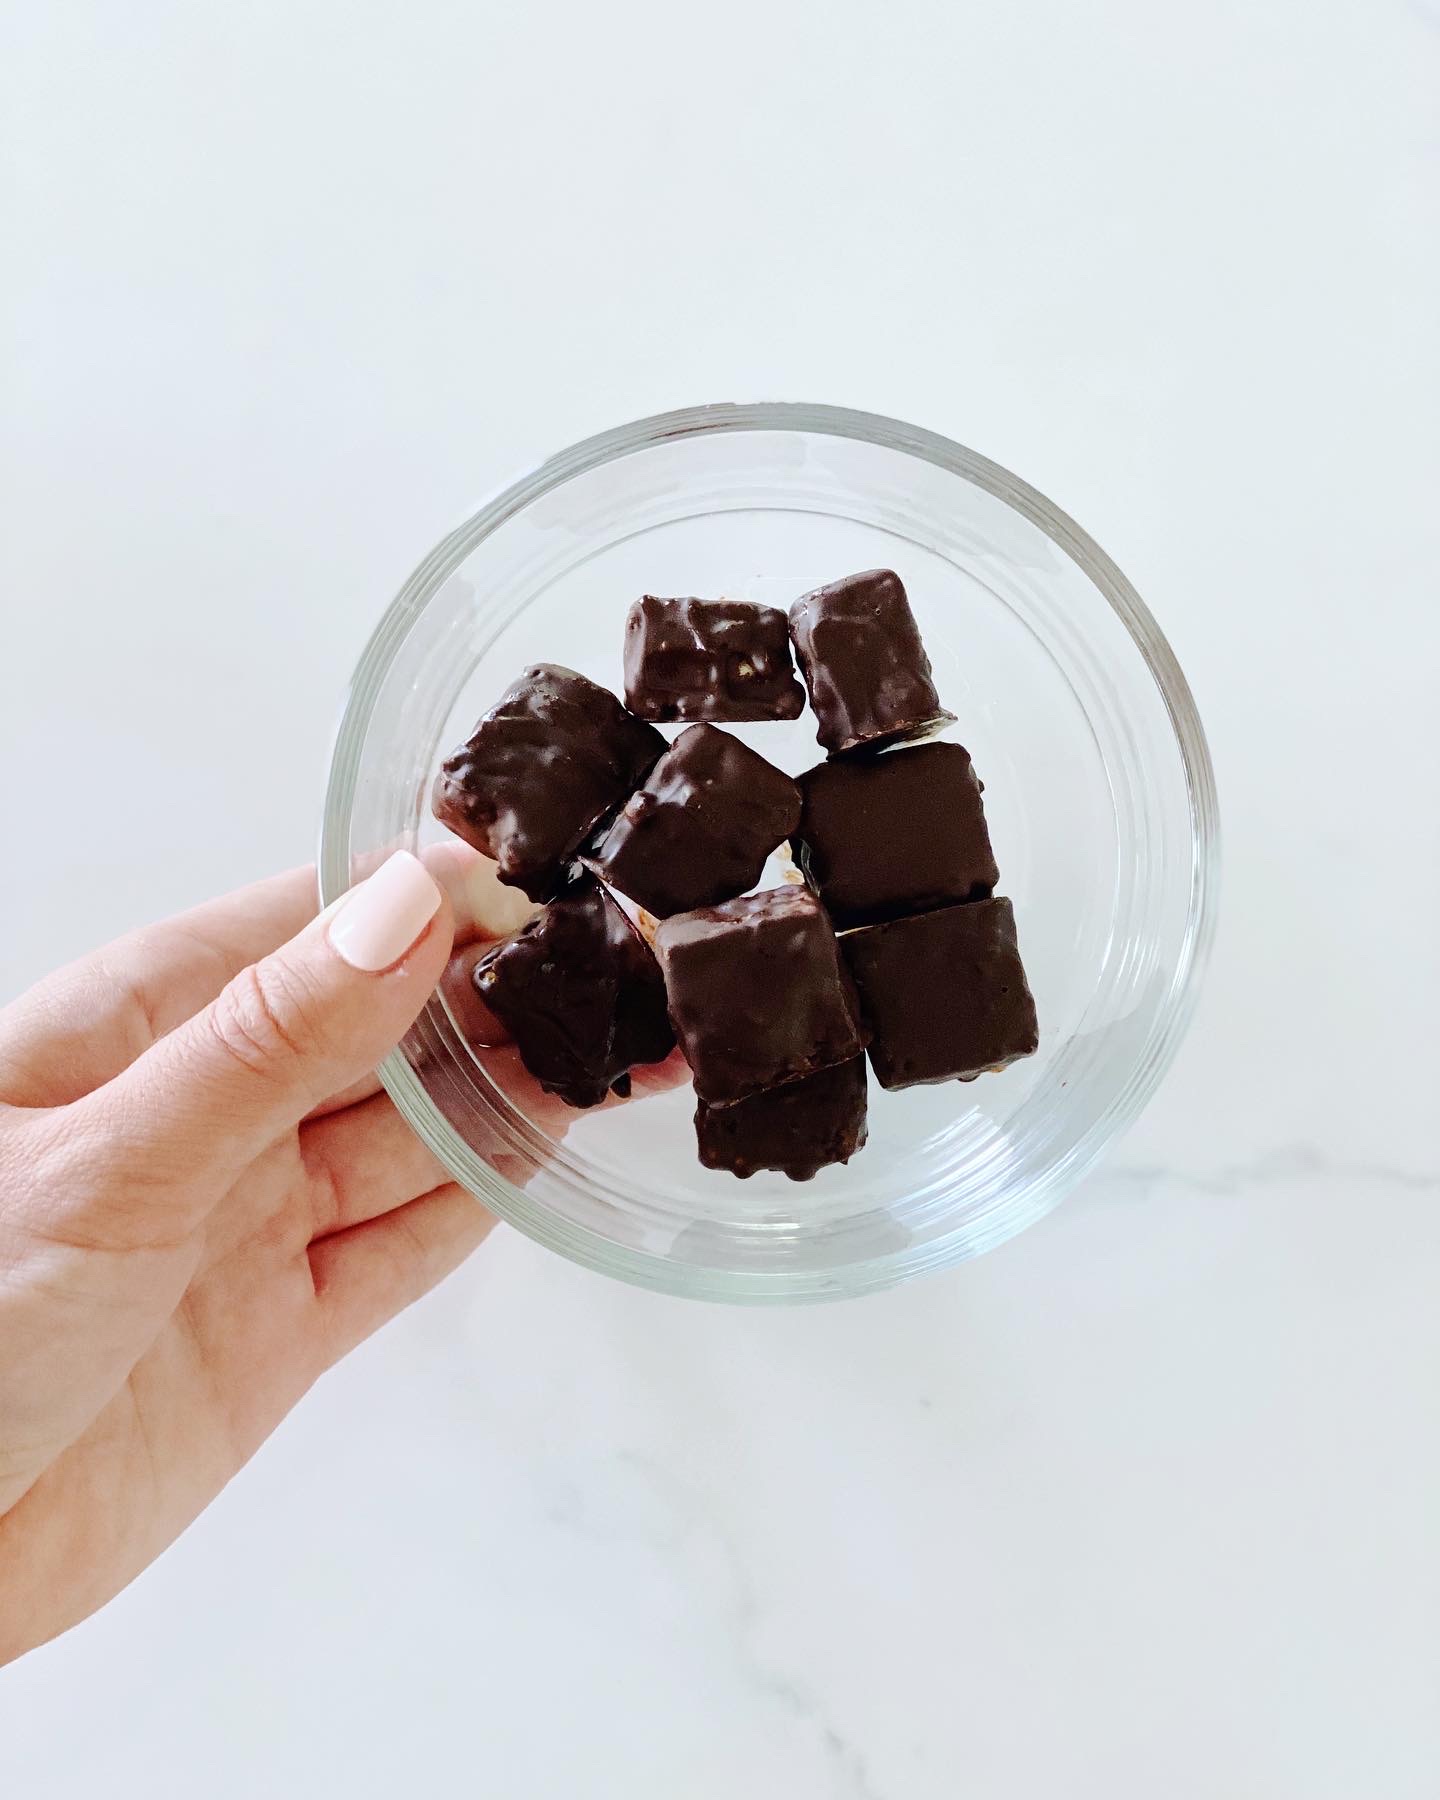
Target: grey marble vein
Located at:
point(689, 1512)
point(1284, 1163)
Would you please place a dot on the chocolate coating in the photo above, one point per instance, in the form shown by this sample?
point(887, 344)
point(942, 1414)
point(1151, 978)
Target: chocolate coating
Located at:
point(758, 994)
point(901, 833)
point(581, 994)
point(860, 652)
point(552, 757)
point(944, 994)
point(700, 827)
point(709, 659)
point(797, 1129)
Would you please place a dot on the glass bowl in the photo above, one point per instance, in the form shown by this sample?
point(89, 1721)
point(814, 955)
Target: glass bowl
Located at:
point(1099, 793)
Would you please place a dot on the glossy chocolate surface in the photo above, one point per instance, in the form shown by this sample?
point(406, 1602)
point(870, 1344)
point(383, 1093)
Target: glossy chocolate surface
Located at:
point(698, 830)
point(758, 994)
point(944, 994)
point(709, 660)
point(581, 994)
point(552, 757)
point(881, 836)
point(860, 652)
point(796, 1130)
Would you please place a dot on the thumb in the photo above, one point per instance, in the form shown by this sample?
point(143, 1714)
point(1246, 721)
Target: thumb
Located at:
point(286, 1033)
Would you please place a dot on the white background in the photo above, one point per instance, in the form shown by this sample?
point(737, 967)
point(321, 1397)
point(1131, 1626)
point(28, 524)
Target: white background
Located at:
point(1147, 1502)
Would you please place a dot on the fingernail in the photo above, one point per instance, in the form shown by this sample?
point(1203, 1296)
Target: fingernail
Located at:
point(385, 916)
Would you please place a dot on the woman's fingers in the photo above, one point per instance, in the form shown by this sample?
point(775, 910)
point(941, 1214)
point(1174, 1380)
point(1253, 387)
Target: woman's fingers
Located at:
point(91, 1020)
point(304, 1022)
point(363, 1162)
point(483, 910)
point(83, 1025)
point(484, 907)
point(659, 1078)
point(88, 1022)
point(350, 1095)
point(365, 1275)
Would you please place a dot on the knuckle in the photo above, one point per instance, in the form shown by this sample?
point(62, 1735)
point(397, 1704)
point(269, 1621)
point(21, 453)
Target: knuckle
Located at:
point(267, 1016)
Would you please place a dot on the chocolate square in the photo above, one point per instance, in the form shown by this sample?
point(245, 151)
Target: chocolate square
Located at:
point(796, 1130)
point(699, 828)
point(581, 994)
point(860, 652)
point(944, 994)
point(881, 836)
point(758, 994)
point(709, 659)
point(552, 757)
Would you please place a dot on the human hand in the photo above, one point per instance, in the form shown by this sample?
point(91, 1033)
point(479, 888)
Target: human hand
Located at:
point(205, 1201)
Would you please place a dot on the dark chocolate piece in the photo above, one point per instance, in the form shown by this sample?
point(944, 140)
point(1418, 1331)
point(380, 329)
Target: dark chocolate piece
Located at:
point(552, 757)
point(699, 829)
point(709, 659)
point(860, 652)
point(758, 994)
point(881, 836)
point(797, 1129)
point(944, 994)
point(581, 994)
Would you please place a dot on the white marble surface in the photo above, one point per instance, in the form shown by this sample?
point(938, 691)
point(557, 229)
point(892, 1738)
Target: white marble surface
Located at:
point(1146, 1503)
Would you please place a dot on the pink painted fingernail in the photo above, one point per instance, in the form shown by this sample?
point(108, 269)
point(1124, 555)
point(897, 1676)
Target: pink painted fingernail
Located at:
point(384, 917)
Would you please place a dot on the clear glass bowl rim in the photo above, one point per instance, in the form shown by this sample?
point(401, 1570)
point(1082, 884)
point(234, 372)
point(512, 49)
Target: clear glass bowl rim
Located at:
point(645, 1268)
